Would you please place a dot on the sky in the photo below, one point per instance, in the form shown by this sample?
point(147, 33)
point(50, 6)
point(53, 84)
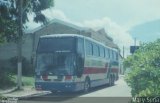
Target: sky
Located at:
point(116, 16)
point(123, 12)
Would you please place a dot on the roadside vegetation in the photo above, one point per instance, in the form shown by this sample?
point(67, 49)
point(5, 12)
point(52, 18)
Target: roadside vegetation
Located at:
point(8, 73)
point(28, 81)
point(9, 32)
point(11, 81)
point(6, 78)
point(144, 70)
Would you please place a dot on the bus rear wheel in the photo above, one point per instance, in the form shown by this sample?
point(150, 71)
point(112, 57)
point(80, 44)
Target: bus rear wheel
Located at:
point(111, 81)
point(86, 85)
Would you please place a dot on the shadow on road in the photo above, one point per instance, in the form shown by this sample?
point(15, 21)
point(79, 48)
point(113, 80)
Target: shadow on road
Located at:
point(64, 96)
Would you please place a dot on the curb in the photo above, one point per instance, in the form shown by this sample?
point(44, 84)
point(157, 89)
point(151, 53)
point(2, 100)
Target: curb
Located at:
point(9, 91)
point(33, 95)
point(29, 95)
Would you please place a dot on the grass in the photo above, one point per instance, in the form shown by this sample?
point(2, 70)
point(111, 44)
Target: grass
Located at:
point(26, 81)
point(7, 82)
point(12, 82)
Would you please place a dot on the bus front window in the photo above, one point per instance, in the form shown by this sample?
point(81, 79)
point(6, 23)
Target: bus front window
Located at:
point(57, 63)
point(56, 55)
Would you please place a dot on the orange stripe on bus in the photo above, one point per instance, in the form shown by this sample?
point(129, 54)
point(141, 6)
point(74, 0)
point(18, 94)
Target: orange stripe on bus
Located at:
point(94, 70)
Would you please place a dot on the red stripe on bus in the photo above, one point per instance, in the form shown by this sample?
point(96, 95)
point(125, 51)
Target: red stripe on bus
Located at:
point(94, 70)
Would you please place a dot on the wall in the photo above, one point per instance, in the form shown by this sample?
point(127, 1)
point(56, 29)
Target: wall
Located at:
point(30, 40)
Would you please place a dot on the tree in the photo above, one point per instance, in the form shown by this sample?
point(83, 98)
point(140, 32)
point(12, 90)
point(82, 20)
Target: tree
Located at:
point(9, 15)
point(8, 26)
point(145, 70)
point(14, 14)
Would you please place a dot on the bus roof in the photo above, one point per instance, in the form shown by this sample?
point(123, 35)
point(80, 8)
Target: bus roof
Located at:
point(61, 35)
point(76, 35)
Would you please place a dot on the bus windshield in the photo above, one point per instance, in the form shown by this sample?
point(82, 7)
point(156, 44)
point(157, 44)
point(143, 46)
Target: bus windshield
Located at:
point(58, 44)
point(56, 55)
point(56, 63)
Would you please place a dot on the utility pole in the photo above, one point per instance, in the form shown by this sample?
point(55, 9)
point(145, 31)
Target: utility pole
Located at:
point(134, 41)
point(123, 52)
point(19, 45)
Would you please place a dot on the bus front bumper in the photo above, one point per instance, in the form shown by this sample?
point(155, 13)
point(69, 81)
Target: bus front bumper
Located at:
point(59, 86)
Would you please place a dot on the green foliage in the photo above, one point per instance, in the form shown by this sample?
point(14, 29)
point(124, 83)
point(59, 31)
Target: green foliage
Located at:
point(26, 65)
point(9, 16)
point(9, 69)
point(7, 30)
point(28, 81)
point(2, 97)
point(145, 70)
point(8, 25)
point(6, 78)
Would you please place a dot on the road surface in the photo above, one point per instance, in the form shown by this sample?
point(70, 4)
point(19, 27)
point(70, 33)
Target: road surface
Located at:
point(119, 93)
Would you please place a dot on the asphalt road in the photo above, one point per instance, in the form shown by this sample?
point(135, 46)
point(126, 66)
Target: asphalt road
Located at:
point(119, 93)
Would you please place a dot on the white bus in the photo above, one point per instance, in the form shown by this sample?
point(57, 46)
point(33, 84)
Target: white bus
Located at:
point(71, 62)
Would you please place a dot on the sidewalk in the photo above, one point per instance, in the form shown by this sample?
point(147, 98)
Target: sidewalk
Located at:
point(26, 92)
point(2, 91)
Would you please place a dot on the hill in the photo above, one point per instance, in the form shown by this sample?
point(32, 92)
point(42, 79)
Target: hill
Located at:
point(146, 32)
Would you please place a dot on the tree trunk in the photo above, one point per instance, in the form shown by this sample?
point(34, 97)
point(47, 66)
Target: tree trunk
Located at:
point(19, 47)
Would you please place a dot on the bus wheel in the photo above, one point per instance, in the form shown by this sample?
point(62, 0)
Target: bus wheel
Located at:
point(110, 81)
point(86, 86)
point(113, 80)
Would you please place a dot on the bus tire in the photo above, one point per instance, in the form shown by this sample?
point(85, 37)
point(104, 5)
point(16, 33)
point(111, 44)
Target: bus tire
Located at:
point(113, 80)
point(110, 81)
point(87, 85)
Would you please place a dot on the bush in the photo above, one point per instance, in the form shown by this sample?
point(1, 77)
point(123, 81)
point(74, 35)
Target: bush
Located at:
point(27, 69)
point(145, 70)
point(6, 77)
point(28, 81)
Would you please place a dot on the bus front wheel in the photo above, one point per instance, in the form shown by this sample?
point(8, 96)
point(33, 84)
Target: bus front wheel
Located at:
point(86, 85)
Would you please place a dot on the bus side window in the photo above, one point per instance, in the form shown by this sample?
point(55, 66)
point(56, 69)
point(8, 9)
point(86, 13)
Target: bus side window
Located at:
point(102, 52)
point(107, 53)
point(80, 46)
point(116, 55)
point(111, 55)
point(96, 50)
point(89, 48)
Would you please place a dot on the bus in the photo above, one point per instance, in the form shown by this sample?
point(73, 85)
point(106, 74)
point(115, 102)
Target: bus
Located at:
point(72, 62)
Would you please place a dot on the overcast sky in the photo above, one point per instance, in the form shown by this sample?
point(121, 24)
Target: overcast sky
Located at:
point(116, 16)
point(124, 12)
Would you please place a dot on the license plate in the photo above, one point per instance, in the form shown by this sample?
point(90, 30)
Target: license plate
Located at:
point(52, 77)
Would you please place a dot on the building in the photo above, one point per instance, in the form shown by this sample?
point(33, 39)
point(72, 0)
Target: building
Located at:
point(30, 39)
